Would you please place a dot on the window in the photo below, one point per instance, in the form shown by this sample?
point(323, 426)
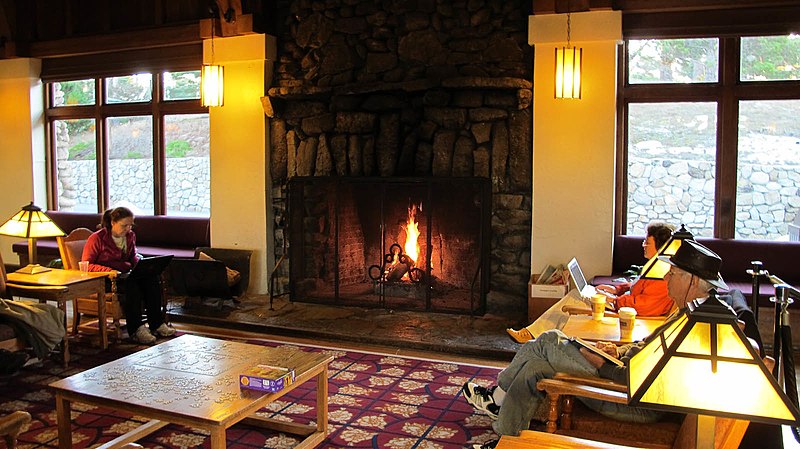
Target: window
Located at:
point(145, 146)
point(710, 137)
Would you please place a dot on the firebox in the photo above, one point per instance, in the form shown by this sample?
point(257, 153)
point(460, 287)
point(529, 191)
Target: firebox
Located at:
point(399, 243)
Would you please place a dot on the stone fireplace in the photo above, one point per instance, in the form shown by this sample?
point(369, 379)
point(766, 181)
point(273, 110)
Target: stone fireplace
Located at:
point(377, 107)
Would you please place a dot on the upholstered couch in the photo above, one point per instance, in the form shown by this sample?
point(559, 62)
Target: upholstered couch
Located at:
point(778, 257)
point(155, 235)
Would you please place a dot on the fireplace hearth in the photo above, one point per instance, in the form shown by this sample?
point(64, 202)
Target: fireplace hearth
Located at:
point(399, 243)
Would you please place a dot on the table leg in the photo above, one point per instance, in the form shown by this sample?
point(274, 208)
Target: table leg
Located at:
point(218, 438)
point(63, 418)
point(62, 304)
point(322, 401)
point(101, 313)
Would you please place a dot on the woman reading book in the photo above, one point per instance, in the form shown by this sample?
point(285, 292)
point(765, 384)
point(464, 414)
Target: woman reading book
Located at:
point(648, 296)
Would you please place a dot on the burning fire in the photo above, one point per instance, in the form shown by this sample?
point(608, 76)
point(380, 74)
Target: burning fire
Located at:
point(411, 248)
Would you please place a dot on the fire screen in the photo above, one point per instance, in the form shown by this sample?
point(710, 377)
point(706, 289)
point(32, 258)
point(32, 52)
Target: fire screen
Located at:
point(397, 243)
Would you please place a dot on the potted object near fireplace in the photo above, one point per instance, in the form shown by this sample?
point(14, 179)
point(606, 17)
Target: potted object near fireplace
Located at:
point(398, 243)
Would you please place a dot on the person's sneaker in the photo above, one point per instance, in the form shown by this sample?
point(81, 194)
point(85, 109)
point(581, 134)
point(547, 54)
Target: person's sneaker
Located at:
point(143, 336)
point(487, 445)
point(481, 398)
point(164, 331)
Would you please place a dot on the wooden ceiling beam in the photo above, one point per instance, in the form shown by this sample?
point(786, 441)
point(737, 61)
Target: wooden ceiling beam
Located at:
point(649, 6)
point(167, 36)
point(641, 6)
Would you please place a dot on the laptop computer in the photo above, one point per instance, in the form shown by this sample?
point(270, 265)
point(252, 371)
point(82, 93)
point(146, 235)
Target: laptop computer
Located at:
point(148, 266)
point(585, 290)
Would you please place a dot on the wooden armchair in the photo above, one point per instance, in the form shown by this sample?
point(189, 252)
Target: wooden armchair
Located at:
point(11, 426)
point(71, 249)
point(568, 417)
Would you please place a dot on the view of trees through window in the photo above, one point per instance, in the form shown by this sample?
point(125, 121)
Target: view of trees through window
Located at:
point(131, 148)
point(673, 147)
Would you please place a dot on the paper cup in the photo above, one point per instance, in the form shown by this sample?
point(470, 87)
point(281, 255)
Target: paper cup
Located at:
point(598, 307)
point(84, 266)
point(627, 319)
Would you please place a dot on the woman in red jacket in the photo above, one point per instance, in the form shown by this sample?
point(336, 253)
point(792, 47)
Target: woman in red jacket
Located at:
point(648, 296)
point(113, 248)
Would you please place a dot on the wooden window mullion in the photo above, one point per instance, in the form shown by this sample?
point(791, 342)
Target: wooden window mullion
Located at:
point(727, 141)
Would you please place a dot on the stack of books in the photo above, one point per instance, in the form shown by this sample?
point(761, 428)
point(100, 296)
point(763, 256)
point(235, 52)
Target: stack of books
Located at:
point(266, 378)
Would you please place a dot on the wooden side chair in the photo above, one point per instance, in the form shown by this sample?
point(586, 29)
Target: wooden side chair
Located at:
point(71, 249)
point(11, 426)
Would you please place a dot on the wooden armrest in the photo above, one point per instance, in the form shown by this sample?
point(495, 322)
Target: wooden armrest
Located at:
point(529, 439)
point(13, 422)
point(562, 388)
point(593, 381)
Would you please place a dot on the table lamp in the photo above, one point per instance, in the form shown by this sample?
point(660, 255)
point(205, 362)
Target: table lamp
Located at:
point(31, 223)
point(656, 268)
point(702, 363)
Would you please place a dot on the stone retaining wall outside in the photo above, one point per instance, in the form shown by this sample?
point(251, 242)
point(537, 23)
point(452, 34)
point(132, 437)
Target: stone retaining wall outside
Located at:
point(682, 192)
point(188, 179)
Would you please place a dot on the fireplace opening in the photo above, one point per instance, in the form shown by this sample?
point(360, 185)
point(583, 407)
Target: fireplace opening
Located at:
point(399, 243)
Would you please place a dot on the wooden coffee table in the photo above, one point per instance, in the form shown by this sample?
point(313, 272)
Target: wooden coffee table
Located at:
point(608, 328)
point(193, 381)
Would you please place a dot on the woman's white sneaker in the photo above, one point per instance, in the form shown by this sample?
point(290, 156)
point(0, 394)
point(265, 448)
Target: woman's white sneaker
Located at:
point(143, 336)
point(165, 331)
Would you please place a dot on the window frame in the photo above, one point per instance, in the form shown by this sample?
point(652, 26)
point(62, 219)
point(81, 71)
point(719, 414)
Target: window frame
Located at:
point(157, 108)
point(727, 92)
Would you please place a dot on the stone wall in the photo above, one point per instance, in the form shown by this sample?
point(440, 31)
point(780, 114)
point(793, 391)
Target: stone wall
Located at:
point(413, 89)
point(682, 192)
point(188, 179)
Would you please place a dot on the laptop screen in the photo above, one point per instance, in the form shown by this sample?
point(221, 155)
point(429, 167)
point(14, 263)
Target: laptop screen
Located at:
point(576, 274)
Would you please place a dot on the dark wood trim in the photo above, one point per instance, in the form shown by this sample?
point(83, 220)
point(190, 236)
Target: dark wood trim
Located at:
point(101, 142)
point(729, 22)
point(727, 141)
point(660, 93)
point(621, 172)
point(159, 150)
point(165, 36)
point(184, 57)
point(639, 6)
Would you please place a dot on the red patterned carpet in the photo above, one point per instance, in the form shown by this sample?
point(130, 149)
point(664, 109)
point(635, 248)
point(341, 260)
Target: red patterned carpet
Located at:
point(376, 401)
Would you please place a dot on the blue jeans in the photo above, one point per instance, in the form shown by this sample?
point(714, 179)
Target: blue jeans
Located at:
point(540, 359)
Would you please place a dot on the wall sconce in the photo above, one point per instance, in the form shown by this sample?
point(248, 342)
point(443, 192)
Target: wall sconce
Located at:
point(212, 83)
point(703, 363)
point(656, 268)
point(569, 64)
point(31, 223)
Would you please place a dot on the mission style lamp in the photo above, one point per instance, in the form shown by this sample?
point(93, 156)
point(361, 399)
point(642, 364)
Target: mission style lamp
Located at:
point(656, 268)
point(702, 363)
point(31, 223)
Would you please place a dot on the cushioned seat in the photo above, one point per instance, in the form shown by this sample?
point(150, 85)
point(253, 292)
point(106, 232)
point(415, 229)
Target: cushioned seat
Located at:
point(211, 276)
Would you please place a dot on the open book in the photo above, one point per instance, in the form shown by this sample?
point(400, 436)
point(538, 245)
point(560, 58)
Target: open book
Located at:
point(591, 347)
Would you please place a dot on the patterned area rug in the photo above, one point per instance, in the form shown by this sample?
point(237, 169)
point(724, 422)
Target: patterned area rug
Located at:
point(375, 401)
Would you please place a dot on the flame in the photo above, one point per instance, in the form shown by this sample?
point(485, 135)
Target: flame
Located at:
point(411, 248)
